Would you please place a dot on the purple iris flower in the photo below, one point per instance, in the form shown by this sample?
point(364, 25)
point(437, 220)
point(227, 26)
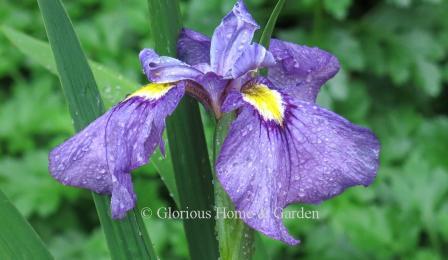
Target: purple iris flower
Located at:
point(281, 149)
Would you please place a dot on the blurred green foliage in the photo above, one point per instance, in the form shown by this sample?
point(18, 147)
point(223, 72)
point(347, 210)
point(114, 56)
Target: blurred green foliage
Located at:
point(394, 77)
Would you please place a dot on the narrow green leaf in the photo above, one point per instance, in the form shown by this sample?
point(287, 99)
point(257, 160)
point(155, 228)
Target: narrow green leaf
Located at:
point(127, 238)
point(236, 239)
point(187, 141)
point(112, 86)
point(265, 38)
point(18, 240)
point(270, 25)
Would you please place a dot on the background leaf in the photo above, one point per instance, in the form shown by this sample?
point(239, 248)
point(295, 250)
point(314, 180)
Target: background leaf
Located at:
point(429, 77)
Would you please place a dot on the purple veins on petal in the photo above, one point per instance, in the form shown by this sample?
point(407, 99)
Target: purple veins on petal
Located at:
point(101, 156)
point(312, 156)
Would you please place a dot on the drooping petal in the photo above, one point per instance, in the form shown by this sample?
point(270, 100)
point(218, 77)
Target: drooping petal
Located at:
point(253, 57)
point(162, 69)
point(101, 156)
point(301, 70)
point(282, 150)
point(193, 47)
point(230, 38)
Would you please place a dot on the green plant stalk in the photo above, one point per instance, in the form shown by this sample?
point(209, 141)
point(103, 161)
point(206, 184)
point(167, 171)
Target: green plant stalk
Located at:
point(236, 239)
point(18, 240)
point(187, 141)
point(127, 238)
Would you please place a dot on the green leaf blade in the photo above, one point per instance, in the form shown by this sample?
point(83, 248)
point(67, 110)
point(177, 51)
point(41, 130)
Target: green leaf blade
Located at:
point(270, 25)
point(265, 38)
point(112, 86)
point(187, 141)
point(82, 95)
point(18, 240)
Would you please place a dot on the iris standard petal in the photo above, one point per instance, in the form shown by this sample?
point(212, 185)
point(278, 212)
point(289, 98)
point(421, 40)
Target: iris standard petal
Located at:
point(162, 69)
point(101, 156)
point(230, 38)
point(253, 57)
point(193, 47)
point(301, 70)
point(281, 150)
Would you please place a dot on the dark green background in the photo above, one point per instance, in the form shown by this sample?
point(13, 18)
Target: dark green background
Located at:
point(394, 56)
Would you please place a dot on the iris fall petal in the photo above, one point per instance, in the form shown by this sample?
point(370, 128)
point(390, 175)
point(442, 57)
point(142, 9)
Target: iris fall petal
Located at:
point(295, 153)
point(101, 156)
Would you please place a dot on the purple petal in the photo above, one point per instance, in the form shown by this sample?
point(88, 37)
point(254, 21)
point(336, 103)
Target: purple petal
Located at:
point(213, 85)
point(253, 57)
point(314, 155)
point(193, 47)
point(301, 70)
point(233, 101)
point(162, 69)
point(101, 157)
point(230, 38)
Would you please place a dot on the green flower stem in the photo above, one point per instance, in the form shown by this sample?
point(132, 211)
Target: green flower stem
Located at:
point(236, 239)
point(127, 238)
point(187, 141)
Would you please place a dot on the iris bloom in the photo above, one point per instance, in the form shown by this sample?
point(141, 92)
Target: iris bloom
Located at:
point(282, 148)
